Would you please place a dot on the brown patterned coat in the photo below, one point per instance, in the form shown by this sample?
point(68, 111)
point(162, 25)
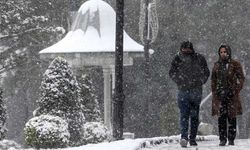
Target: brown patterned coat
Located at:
point(235, 80)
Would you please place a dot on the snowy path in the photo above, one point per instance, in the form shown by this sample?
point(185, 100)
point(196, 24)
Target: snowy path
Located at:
point(168, 143)
point(240, 144)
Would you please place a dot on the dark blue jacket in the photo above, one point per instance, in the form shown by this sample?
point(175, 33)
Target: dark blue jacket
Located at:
point(189, 70)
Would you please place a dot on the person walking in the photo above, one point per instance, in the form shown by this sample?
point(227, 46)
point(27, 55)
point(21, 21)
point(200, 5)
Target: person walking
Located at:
point(226, 83)
point(189, 71)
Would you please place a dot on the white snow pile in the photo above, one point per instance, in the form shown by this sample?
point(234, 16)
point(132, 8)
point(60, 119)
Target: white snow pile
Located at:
point(9, 145)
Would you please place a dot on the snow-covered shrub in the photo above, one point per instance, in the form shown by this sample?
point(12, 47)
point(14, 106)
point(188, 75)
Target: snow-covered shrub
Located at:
point(60, 97)
point(95, 132)
point(9, 144)
point(47, 131)
point(3, 116)
point(92, 112)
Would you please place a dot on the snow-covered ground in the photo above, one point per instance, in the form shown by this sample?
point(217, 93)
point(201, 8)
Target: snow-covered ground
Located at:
point(164, 143)
point(240, 144)
point(204, 143)
point(158, 143)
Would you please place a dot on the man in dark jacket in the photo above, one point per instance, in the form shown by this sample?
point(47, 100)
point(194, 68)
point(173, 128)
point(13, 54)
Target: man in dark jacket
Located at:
point(227, 82)
point(189, 71)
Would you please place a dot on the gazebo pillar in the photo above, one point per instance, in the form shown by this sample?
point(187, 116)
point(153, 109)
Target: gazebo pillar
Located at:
point(107, 74)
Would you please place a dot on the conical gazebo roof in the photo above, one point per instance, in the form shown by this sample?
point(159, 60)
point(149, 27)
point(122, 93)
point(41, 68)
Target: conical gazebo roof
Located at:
point(93, 31)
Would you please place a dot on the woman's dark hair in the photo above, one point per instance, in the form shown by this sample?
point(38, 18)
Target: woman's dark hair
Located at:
point(187, 44)
point(228, 49)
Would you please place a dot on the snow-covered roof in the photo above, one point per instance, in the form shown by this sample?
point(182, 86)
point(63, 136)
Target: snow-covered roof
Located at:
point(93, 31)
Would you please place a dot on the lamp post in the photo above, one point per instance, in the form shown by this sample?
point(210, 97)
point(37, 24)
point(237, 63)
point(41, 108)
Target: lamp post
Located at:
point(147, 63)
point(148, 28)
point(118, 95)
point(146, 42)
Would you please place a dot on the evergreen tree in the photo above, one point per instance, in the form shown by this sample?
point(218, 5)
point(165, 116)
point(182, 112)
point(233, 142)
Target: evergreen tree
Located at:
point(60, 97)
point(26, 28)
point(92, 111)
point(2, 116)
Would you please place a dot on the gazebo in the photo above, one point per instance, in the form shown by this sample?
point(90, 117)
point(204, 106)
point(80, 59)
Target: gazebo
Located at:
point(91, 42)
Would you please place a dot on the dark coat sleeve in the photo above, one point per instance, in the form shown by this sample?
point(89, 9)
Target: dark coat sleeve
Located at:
point(174, 71)
point(214, 79)
point(240, 78)
point(215, 100)
point(205, 70)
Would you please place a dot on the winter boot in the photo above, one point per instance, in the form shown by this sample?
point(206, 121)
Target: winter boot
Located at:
point(183, 143)
point(230, 142)
point(223, 143)
point(192, 142)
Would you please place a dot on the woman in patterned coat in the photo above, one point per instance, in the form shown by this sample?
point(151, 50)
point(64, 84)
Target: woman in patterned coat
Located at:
point(227, 82)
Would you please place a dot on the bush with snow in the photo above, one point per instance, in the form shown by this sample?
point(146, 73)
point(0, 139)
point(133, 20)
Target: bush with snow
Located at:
point(95, 132)
point(60, 97)
point(8, 145)
point(47, 131)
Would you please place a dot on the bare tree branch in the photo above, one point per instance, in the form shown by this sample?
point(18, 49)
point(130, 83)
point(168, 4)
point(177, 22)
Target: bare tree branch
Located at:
point(19, 34)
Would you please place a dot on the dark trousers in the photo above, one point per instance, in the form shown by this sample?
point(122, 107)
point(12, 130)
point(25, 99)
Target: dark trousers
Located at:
point(226, 124)
point(189, 105)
